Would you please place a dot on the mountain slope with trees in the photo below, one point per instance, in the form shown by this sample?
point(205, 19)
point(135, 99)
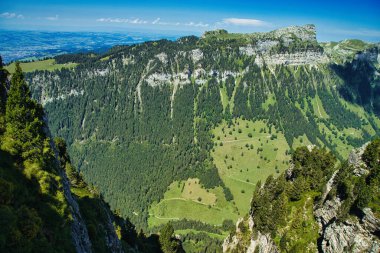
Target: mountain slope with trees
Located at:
point(45, 204)
point(140, 118)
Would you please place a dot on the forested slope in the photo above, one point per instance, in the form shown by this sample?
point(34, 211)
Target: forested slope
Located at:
point(141, 117)
point(45, 205)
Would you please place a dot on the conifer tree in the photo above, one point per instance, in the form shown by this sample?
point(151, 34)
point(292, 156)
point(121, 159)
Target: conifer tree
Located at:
point(23, 116)
point(168, 244)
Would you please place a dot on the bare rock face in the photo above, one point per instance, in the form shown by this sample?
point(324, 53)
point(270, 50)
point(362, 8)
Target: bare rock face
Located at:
point(355, 159)
point(370, 222)
point(262, 244)
point(305, 33)
point(240, 242)
point(355, 234)
point(349, 236)
point(327, 212)
point(298, 58)
point(79, 231)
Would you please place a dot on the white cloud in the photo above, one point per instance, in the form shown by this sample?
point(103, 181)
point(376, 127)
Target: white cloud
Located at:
point(138, 21)
point(56, 17)
point(156, 21)
point(199, 24)
point(11, 15)
point(244, 22)
point(123, 20)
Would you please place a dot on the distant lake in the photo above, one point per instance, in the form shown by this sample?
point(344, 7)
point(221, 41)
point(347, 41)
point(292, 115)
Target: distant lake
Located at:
point(29, 45)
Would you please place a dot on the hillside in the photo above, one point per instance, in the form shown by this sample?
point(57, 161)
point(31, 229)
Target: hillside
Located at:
point(45, 204)
point(315, 206)
point(194, 124)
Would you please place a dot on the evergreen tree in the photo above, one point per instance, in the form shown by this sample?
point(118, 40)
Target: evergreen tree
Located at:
point(168, 244)
point(24, 132)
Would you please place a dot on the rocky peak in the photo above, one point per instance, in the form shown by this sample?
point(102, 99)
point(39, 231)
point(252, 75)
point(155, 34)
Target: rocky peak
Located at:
point(304, 33)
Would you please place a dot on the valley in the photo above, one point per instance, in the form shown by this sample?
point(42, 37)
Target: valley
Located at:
point(185, 131)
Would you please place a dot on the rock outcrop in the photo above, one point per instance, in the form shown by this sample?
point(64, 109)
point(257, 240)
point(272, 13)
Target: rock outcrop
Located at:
point(338, 233)
point(354, 234)
point(245, 241)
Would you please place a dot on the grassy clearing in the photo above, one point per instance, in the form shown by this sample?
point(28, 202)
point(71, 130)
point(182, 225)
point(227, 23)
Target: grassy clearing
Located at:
point(106, 58)
point(249, 153)
point(188, 199)
point(244, 153)
point(271, 100)
point(192, 190)
point(319, 111)
point(224, 97)
point(301, 141)
point(48, 64)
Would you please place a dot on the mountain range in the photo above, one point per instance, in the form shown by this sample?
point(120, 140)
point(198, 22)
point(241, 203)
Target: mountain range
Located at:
point(187, 131)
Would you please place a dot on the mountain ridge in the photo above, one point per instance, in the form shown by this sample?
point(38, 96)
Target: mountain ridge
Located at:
point(147, 79)
point(197, 122)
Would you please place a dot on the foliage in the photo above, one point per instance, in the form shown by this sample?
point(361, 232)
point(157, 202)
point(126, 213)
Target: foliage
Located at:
point(276, 205)
point(35, 215)
point(356, 192)
point(168, 243)
point(152, 116)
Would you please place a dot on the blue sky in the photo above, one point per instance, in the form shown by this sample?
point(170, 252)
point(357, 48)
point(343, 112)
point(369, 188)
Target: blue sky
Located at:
point(335, 20)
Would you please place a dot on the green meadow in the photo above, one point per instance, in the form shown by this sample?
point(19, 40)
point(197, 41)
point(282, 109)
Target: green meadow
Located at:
point(48, 64)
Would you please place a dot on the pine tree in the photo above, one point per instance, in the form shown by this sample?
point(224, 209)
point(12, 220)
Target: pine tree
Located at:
point(168, 244)
point(24, 134)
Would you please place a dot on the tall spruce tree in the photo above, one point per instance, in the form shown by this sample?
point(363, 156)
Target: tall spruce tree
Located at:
point(24, 134)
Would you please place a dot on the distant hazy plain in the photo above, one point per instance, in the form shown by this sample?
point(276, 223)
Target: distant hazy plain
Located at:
point(29, 45)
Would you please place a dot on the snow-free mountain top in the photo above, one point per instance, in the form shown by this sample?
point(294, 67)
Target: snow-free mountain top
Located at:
point(304, 33)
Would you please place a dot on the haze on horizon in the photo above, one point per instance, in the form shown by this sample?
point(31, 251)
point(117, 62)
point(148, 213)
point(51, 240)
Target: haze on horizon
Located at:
point(335, 20)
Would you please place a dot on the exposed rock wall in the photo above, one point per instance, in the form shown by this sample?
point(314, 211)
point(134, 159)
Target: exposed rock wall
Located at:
point(355, 234)
point(240, 242)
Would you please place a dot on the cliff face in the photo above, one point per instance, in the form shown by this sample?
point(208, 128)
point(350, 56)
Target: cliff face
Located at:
point(250, 243)
point(79, 232)
point(342, 227)
point(356, 233)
